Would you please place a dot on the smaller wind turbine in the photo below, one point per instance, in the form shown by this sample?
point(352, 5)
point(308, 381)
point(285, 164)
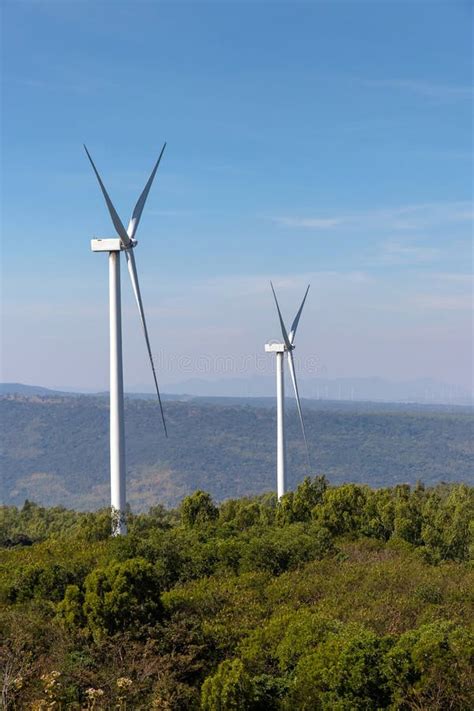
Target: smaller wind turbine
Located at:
point(280, 349)
point(126, 242)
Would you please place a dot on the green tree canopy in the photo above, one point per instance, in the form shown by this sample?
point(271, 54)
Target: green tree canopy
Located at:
point(229, 689)
point(198, 508)
point(122, 596)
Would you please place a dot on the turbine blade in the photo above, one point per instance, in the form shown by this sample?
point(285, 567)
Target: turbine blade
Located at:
point(291, 365)
point(121, 231)
point(283, 329)
point(132, 269)
point(137, 212)
point(295, 323)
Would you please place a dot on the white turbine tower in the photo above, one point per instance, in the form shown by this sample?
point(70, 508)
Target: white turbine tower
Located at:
point(126, 242)
point(280, 349)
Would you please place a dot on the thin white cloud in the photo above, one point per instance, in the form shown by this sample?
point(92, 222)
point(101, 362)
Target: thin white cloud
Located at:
point(260, 283)
point(393, 253)
point(443, 302)
point(311, 222)
point(423, 88)
point(452, 277)
point(170, 213)
point(68, 84)
point(404, 217)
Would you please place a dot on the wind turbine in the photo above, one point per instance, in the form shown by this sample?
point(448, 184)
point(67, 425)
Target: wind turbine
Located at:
point(280, 349)
point(125, 242)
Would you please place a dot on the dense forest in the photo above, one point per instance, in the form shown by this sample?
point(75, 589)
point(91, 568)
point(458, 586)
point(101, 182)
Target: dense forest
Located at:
point(55, 449)
point(336, 598)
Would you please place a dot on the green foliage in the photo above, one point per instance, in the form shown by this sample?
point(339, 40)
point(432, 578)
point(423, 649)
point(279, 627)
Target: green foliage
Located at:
point(95, 527)
point(198, 509)
point(342, 674)
point(431, 667)
point(121, 596)
point(44, 581)
point(447, 523)
point(342, 509)
point(298, 506)
point(407, 515)
point(229, 689)
point(276, 549)
point(335, 598)
point(379, 513)
point(247, 516)
point(22, 527)
point(305, 630)
point(71, 608)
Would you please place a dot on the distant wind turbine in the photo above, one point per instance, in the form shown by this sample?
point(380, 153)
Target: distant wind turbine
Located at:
point(280, 349)
point(126, 242)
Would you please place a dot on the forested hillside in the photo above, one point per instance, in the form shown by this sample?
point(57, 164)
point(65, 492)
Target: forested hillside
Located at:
point(55, 449)
point(337, 598)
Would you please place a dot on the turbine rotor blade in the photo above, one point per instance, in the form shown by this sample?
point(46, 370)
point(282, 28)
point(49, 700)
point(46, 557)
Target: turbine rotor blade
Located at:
point(295, 323)
point(283, 329)
point(121, 231)
point(291, 365)
point(132, 269)
point(137, 212)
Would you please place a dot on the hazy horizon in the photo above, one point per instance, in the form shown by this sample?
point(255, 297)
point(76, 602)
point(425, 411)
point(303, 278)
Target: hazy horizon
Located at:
point(421, 390)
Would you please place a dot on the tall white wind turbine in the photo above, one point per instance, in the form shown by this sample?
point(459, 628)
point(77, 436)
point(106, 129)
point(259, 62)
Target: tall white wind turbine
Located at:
point(125, 242)
point(280, 349)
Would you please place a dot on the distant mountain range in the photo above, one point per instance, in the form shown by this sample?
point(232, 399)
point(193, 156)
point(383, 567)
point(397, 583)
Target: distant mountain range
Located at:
point(55, 446)
point(422, 390)
point(21, 389)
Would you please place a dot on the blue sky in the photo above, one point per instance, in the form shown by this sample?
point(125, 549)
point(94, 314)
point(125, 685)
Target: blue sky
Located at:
point(327, 142)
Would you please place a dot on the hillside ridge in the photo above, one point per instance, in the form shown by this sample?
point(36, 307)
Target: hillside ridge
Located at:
point(55, 448)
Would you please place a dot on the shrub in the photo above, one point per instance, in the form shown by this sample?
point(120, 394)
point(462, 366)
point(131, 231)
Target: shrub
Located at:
point(431, 667)
point(342, 509)
point(70, 609)
point(122, 596)
point(229, 689)
point(48, 581)
point(343, 673)
point(198, 508)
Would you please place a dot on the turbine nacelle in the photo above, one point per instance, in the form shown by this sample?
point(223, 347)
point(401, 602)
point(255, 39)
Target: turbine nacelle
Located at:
point(274, 347)
point(111, 244)
point(106, 244)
